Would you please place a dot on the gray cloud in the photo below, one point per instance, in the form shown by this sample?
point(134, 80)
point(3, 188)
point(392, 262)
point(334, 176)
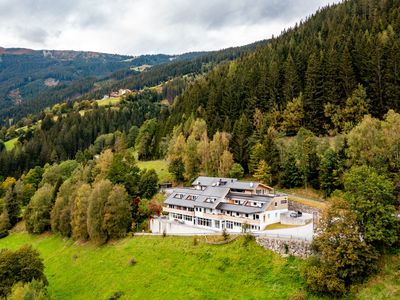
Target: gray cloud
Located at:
point(146, 26)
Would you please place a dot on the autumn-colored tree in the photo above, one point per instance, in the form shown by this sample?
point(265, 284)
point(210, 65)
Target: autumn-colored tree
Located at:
point(343, 257)
point(95, 215)
point(116, 217)
point(37, 213)
point(293, 116)
point(263, 172)
point(225, 165)
point(80, 213)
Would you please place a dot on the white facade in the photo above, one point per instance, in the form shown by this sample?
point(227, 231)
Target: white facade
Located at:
point(218, 204)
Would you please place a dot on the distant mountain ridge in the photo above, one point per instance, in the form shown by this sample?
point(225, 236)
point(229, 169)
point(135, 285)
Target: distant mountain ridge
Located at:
point(31, 80)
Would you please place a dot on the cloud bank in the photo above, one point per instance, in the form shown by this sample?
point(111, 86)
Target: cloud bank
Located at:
point(146, 26)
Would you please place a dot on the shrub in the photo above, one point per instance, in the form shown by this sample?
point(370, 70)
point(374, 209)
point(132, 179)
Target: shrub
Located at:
point(247, 239)
point(22, 265)
point(3, 233)
point(34, 290)
point(116, 295)
point(225, 235)
point(132, 261)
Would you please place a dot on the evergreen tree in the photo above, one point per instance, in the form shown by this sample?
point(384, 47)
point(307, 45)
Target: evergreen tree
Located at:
point(240, 140)
point(148, 183)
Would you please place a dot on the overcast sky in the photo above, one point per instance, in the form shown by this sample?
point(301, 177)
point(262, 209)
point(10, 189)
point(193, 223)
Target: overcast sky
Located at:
point(146, 26)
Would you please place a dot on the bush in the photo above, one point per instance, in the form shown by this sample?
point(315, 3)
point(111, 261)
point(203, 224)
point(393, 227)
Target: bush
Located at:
point(225, 235)
point(34, 290)
point(116, 295)
point(247, 239)
point(23, 265)
point(3, 233)
point(132, 261)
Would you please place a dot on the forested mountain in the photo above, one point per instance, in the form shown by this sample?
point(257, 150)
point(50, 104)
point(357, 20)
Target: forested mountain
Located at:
point(189, 63)
point(323, 59)
point(25, 73)
point(32, 80)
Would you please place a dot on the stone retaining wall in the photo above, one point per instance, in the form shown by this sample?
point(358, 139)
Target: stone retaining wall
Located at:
point(286, 247)
point(292, 205)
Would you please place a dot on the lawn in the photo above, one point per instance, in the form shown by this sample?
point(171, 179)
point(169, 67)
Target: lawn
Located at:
point(109, 101)
point(280, 226)
point(166, 268)
point(10, 144)
point(386, 285)
point(160, 166)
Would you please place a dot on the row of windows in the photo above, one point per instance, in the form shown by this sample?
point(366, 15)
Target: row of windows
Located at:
point(177, 216)
point(204, 222)
point(181, 207)
point(180, 217)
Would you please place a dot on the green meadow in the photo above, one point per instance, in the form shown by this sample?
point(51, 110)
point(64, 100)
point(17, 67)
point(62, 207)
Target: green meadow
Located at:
point(165, 268)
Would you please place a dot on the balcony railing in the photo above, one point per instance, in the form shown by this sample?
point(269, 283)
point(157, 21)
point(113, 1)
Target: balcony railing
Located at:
point(178, 211)
point(231, 218)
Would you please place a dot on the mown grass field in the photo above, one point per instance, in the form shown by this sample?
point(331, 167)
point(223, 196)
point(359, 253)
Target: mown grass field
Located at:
point(166, 268)
point(10, 144)
point(160, 166)
point(176, 268)
point(109, 101)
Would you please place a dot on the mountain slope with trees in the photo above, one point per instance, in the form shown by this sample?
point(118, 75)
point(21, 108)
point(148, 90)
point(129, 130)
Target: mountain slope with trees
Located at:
point(323, 59)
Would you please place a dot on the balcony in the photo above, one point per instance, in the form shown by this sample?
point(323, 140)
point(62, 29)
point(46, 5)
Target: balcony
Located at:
point(232, 219)
point(178, 211)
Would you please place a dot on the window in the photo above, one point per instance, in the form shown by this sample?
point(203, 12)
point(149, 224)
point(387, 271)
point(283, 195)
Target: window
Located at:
point(247, 215)
point(187, 218)
point(257, 217)
point(264, 218)
point(283, 201)
point(255, 203)
point(177, 216)
point(237, 214)
point(216, 224)
point(276, 203)
point(229, 224)
point(179, 196)
point(190, 209)
point(237, 224)
point(204, 222)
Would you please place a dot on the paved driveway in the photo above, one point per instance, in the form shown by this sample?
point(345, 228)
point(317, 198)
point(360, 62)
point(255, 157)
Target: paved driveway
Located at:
point(302, 232)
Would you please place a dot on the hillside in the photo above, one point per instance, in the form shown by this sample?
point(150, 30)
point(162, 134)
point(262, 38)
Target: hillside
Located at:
point(31, 79)
point(165, 268)
point(322, 58)
point(170, 268)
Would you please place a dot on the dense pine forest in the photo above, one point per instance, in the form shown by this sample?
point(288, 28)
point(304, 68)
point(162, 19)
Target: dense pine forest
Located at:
point(316, 108)
point(323, 59)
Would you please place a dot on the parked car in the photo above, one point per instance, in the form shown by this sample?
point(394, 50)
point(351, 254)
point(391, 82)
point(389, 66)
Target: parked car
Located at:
point(296, 214)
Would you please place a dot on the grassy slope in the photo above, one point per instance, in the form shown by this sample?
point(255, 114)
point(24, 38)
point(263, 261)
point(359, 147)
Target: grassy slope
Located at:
point(386, 285)
point(109, 101)
point(167, 268)
point(10, 144)
point(160, 166)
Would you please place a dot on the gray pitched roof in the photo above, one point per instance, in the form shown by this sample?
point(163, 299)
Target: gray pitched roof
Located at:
point(264, 198)
point(209, 181)
point(243, 185)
